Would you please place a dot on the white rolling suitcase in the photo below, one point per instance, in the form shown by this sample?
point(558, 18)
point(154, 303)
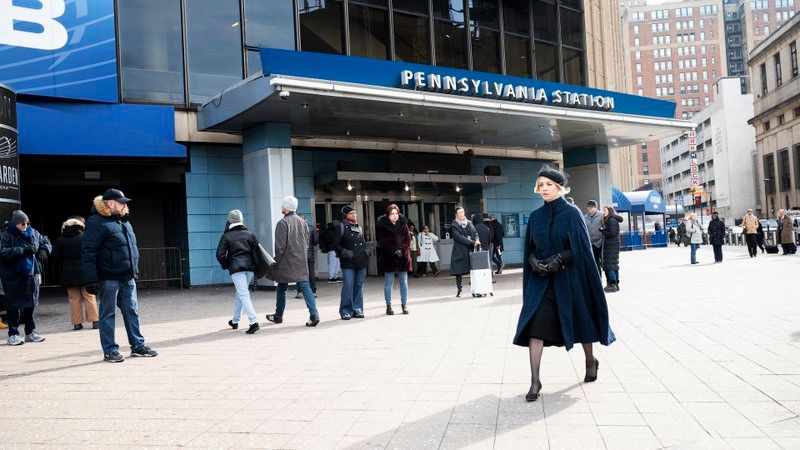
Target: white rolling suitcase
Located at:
point(480, 274)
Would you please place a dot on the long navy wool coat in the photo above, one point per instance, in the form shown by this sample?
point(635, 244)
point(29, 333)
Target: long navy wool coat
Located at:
point(582, 308)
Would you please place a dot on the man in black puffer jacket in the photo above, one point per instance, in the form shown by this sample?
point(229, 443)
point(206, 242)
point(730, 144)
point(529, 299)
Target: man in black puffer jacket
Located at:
point(68, 252)
point(236, 254)
point(716, 235)
point(110, 259)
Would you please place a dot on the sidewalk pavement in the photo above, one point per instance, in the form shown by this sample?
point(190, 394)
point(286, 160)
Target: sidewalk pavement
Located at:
point(706, 357)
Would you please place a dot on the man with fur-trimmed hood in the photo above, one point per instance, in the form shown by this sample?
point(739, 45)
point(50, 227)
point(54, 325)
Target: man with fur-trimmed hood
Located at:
point(110, 260)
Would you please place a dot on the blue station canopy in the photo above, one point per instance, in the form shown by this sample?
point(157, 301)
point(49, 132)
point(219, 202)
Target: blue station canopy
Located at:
point(648, 202)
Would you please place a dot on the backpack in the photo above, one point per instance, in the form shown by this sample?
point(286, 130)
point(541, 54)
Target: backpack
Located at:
point(327, 238)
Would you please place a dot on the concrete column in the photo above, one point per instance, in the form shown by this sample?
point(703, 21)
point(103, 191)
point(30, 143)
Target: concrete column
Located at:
point(589, 174)
point(268, 178)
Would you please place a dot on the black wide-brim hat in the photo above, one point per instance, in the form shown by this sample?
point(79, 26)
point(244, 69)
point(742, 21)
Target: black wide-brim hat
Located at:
point(553, 174)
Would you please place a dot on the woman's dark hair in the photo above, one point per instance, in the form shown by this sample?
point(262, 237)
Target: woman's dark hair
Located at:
point(391, 207)
point(459, 207)
point(611, 211)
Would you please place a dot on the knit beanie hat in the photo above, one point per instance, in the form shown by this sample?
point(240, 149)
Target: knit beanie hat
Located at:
point(18, 217)
point(289, 203)
point(235, 216)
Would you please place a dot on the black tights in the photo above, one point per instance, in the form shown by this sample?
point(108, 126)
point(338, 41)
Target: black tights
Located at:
point(459, 279)
point(27, 317)
point(535, 349)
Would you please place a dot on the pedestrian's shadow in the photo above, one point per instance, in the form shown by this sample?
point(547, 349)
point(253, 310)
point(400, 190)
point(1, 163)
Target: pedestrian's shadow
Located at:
point(478, 420)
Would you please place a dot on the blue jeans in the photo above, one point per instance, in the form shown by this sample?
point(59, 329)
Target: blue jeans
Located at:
point(352, 299)
point(388, 284)
point(305, 288)
point(612, 275)
point(497, 257)
point(694, 252)
point(333, 265)
point(241, 281)
point(120, 294)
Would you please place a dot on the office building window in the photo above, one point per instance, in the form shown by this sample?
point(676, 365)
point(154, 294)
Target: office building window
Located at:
point(797, 165)
point(784, 170)
point(267, 25)
point(450, 34)
point(769, 174)
point(573, 66)
point(763, 73)
point(411, 37)
point(516, 21)
point(484, 16)
point(781, 119)
point(214, 64)
point(151, 51)
point(546, 61)
point(793, 58)
point(767, 125)
point(322, 26)
point(776, 59)
point(369, 29)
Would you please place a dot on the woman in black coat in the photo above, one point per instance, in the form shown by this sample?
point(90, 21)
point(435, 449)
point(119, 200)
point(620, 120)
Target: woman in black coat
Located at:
point(465, 239)
point(716, 235)
point(562, 296)
point(610, 230)
point(394, 257)
point(21, 252)
point(67, 250)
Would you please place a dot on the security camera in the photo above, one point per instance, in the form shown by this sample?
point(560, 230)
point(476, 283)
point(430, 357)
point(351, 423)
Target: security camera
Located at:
point(284, 95)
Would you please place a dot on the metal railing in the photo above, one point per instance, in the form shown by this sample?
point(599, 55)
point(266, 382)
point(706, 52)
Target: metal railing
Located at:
point(156, 264)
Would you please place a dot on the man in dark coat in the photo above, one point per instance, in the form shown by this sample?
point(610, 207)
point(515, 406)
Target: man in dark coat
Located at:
point(22, 251)
point(465, 240)
point(485, 234)
point(291, 261)
point(110, 259)
point(682, 238)
point(610, 230)
point(67, 250)
point(499, 232)
point(716, 236)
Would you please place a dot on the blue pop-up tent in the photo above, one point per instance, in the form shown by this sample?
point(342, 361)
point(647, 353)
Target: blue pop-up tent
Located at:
point(640, 203)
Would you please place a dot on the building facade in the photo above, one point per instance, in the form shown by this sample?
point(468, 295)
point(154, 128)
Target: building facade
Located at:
point(725, 144)
point(774, 74)
point(197, 107)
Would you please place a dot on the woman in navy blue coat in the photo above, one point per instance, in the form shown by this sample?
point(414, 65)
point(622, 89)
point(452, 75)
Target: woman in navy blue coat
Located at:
point(562, 295)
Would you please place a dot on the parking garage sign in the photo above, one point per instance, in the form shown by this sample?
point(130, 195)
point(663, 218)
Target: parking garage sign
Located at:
point(694, 162)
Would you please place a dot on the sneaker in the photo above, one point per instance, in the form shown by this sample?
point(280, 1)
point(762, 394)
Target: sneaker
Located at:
point(331, 280)
point(358, 315)
point(274, 319)
point(345, 316)
point(113, 357)
point(312, 321)
point(235, 326)
point(253, 328)
point(389, 310)
point(15, 339)
point(298, 295)
point(95, 325)
point(145, 352)
point(34, 337)
point(77, 326)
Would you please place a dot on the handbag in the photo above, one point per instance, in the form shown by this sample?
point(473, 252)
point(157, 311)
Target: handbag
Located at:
point(264, 262)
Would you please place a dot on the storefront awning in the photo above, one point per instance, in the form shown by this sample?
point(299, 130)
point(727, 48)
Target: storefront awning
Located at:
point(647, 202)
point(343, 97)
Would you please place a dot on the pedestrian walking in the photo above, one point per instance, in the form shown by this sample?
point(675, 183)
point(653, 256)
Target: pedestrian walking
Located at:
point(671, 234)
point(412, 230)
point(481, 223)
point(236, 254)
point(394, 255)
point(751, 226)
point(427, 251)
point(499, 233)
point(786, 233)
point(465, 240)
point(291, 261)
point(560, 270)
point(354, 255)
point(594, 221)
point(313, 241)
point(695, 234)
point(22, 251)
point(110, 259)
point(67, 250)
point(611, 246)
point(682, 239)
point(716, 236)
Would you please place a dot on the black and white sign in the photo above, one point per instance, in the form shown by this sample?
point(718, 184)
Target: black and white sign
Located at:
point(9, 154)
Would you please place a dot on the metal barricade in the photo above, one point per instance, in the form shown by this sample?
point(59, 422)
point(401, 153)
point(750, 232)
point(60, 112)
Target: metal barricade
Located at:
point(156, 264)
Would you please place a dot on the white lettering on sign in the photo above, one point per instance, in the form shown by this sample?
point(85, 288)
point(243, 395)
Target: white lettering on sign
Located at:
point(503, 91)
point(53, 34)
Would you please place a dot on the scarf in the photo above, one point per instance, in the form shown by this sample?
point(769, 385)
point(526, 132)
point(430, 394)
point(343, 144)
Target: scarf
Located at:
point(25, 264)
point(463, 223)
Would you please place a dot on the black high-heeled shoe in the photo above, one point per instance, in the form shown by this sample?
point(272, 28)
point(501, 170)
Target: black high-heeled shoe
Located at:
point(458, 294)
point(533, 394)
point(587, 378)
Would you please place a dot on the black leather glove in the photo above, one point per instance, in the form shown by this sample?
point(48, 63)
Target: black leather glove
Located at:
point(93, 288)
point(539, 267)
point(30, 249)
point(553, 264)
point(398, 253)
point(42, 255)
